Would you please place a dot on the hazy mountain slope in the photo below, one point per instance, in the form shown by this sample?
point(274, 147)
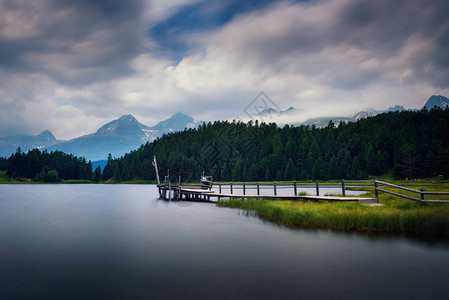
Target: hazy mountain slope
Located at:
point(9, 144)
point(438, 101)
point(117, 137)
point(121, 136)
point(177, 122)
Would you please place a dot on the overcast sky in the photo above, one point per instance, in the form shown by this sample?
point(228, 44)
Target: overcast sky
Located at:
point(72, 65)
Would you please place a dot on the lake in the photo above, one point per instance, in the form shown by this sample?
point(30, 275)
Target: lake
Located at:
point(121, 242)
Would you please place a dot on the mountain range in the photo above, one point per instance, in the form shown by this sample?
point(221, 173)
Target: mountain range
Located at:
point(434, 101)
point(116, 137)
point(10, 144)
point(269, 111)
point(126, 133)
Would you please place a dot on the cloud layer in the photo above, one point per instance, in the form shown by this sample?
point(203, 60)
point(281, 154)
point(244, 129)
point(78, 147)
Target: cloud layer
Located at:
point(71, 66)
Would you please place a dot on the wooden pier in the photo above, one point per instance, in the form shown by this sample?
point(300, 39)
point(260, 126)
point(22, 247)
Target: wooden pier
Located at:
point(203, 192)
point(196, 192)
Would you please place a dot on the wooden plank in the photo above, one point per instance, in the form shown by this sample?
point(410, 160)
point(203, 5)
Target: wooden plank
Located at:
point(279, 197)
point(196, 191)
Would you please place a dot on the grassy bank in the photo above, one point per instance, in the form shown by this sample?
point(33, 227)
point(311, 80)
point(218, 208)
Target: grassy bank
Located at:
point(140, 181)
point(6, 180)
point(395, 216)
point(77, 181)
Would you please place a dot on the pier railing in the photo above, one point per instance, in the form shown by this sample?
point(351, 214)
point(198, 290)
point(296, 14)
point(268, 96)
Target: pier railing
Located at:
point(252, 189)
point(421, 193)
point(295, 185)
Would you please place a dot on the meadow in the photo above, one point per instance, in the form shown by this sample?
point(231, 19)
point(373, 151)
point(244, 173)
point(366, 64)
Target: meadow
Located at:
point(396, 215)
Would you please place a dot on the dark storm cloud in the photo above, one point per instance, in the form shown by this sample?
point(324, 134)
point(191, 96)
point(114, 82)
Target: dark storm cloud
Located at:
point(399, 36)
point(74, 42)
point(115, 9)
point(387, 27)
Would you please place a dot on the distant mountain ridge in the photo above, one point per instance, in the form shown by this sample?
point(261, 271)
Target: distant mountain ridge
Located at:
point(116, 137)
point(370, 112)
point(270, 110)
point(121, 136)
point(434, 101)
point(177, 122)
point(438, 101)
point(9, 144)
point(126, 125)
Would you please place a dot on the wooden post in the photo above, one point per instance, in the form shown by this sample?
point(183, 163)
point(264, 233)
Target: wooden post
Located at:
point(317, 189)
point(295, 190)
point(169, 185)
point(244, 190)
point(179, 187)
point(376, 191)
point(274, 186)
point(422, 194)
point(157, 171)
point(231, 187)
point(219, 188)
point(258, 190)
point(343, 188)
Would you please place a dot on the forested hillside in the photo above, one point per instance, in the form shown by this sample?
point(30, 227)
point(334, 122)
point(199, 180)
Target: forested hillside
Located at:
point(44, 166)
point(408, 144)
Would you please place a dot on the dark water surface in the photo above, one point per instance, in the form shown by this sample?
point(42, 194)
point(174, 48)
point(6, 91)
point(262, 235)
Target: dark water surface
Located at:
point(120, 242)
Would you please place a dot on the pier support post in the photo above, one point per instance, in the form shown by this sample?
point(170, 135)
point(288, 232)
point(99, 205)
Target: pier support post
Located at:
point(343, 188)
point(258, 190)
point(219, 188)
point(317, 188)
point(295, 190)
point(231, 187)
point(274, 187)
point(376, 192)
point(244, 190)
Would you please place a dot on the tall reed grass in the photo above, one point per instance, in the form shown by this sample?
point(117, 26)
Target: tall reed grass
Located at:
point(395, 216)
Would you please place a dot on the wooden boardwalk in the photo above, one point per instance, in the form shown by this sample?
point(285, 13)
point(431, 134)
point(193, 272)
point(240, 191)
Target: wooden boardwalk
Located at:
point(197, 193)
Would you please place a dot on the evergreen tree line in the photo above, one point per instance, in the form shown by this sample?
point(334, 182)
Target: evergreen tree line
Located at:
point(408, 144)
point(48, 167)
point(3, 163)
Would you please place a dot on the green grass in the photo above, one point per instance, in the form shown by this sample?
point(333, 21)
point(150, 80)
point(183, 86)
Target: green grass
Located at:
point(395, 216)
point(138, 182)
point(6, 180)
point(76, 181)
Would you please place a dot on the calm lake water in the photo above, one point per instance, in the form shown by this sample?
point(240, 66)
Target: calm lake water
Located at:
point(120, 242)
